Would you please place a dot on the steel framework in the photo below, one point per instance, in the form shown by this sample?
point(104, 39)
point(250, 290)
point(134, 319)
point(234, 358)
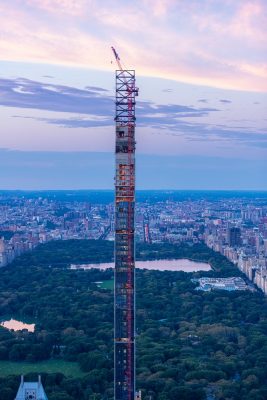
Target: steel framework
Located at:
point(124, 293)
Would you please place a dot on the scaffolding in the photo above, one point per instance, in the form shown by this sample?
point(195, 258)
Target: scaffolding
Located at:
point(124, 293)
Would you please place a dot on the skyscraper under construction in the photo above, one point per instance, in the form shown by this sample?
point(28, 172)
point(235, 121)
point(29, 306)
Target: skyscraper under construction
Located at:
point(124, 294)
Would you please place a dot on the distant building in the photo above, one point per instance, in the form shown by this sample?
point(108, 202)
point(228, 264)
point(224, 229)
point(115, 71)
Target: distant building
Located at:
point(265, 247)
point(2, 245)
point(234, 237)
point(147, 237)
point(3, 255)
point(31, 390)
point(230, 284)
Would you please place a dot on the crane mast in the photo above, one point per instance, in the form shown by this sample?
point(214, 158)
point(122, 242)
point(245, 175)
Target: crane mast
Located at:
point(124, 286)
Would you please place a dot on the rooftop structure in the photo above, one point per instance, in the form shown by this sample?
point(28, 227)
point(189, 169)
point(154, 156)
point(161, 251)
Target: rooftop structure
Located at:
point(229, 284)
point(31, 390)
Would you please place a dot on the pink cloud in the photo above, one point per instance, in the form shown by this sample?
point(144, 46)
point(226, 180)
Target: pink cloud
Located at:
point(72, 7)
point(249, 20)
point(223, 47)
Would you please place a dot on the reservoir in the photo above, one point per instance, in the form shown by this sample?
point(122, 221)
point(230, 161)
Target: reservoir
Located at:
point(17, 325)
point(156, 265)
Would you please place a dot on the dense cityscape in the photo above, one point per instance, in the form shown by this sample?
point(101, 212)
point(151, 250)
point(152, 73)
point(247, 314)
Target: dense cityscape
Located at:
point(133, 200)
point(234, 226)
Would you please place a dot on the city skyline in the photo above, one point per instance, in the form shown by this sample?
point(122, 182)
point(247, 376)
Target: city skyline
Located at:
point(201, 119)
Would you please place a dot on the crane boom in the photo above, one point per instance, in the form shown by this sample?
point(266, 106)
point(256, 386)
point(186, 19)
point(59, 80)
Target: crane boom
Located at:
point(117, 58)
point(131, 88)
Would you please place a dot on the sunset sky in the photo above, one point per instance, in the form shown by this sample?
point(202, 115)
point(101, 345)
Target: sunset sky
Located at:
point(201, 67)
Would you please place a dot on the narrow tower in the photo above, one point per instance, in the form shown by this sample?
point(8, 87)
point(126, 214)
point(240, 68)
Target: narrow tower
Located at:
point(124, 293)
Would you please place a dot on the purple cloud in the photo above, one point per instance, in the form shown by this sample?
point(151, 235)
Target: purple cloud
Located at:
point(225, 101)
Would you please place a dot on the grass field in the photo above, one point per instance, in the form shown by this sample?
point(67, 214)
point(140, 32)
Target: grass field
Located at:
point(50, 366)
point(109, 284)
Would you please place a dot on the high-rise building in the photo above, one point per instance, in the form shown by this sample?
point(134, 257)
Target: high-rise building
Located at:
point(147, 237)
point(124, 293)
point(3, 254)
point(2, 245)
point(234, 237)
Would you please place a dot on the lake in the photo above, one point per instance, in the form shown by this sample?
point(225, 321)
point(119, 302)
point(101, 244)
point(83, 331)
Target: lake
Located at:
point(17, 325)
point(158, 265)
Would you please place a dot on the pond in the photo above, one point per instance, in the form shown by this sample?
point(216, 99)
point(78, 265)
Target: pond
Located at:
point(15, 325)
point(158, 265)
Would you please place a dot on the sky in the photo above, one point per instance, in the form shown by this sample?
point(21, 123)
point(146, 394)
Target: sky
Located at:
point(201, 68)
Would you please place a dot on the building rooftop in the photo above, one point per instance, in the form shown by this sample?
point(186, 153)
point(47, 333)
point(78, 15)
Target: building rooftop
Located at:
point(31, 390)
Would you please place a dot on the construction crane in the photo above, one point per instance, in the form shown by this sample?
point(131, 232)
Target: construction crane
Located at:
point(132, 89)
point(117, 58)
point(124, 286)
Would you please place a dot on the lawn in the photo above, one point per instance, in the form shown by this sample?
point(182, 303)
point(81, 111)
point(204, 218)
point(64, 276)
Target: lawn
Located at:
point(109, 284)
point(67, 368)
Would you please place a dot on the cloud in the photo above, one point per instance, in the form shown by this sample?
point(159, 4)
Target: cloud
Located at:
point(94, 102)
point(200, 45)
point(219, 133)
point(95, 89)
point(225, 101)
point(93, 107)
point(25, 93)
point(76, 122)
point(69, 7)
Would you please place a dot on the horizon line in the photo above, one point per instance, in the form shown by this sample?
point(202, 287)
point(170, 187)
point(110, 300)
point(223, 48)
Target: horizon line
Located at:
point(138, 190)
